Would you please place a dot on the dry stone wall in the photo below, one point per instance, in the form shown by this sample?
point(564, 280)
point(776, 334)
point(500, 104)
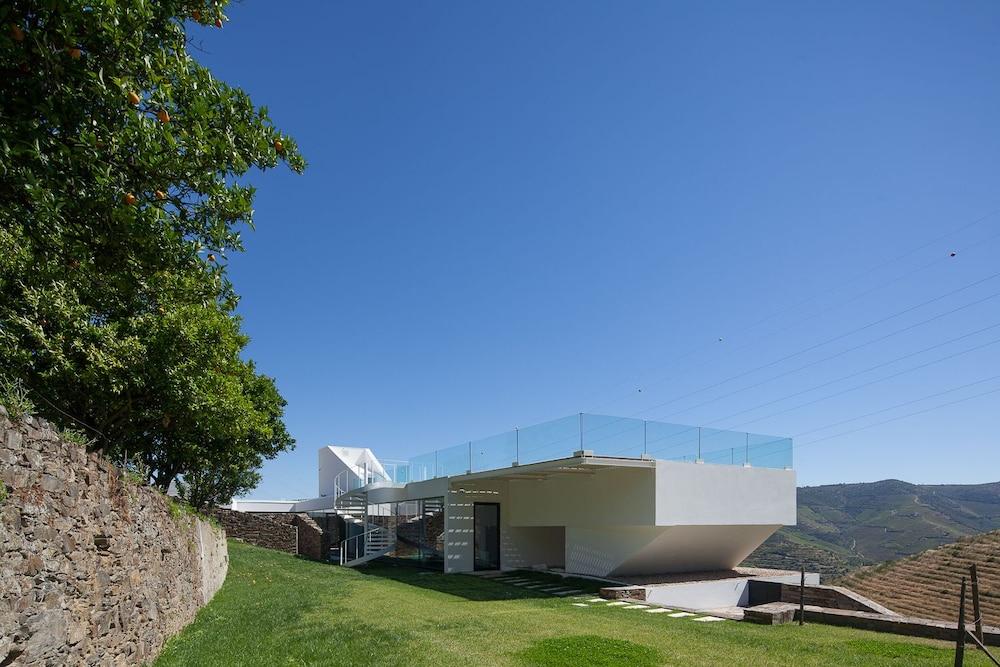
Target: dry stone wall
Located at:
point(258, 530)
point(293, 532)
point(94, 569)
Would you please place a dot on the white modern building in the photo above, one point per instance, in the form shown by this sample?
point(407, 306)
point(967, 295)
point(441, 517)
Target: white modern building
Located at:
point(588, 494)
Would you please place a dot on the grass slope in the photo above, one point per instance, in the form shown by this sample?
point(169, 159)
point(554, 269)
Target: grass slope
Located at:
point(844, 526)
point(275, 609)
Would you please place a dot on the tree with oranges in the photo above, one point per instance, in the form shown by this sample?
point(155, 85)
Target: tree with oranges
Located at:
point(122, 166)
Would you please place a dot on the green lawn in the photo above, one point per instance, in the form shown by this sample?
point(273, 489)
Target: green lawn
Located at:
point(275, 609)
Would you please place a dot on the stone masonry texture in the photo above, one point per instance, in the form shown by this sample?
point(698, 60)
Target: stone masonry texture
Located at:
point(292, 532)
point(94, 569)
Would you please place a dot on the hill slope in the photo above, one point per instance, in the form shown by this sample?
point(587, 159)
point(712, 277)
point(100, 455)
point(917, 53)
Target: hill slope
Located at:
point(843, 526)
point(928, 583)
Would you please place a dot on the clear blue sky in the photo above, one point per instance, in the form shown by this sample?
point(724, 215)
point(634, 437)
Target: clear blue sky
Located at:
point(517, 211)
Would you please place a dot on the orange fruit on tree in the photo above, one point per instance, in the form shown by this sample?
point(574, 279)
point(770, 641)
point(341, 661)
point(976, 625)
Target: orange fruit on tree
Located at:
point(129, 198)
point(74, 53)
point(133, 98)
point(278, 146)
point(160, 194)
point(17, 33)
point(163, 116)
point(211, 257)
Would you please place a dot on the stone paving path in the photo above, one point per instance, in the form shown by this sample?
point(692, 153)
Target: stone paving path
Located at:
point(578, 598)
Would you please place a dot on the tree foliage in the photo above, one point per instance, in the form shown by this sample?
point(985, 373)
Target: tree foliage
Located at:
point(122, 191)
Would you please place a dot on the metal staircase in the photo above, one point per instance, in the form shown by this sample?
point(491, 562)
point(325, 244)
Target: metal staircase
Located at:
point(374, 540)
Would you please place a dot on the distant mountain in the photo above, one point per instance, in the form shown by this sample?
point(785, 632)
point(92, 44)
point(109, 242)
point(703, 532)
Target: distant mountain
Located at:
point(844, 526)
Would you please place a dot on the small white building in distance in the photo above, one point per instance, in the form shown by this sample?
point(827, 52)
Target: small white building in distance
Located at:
point(587, 494)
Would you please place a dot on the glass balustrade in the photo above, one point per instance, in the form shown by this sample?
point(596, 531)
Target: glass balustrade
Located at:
point(603, 435)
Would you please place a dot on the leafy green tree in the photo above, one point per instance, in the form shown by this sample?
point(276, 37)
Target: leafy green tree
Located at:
point(122, 190)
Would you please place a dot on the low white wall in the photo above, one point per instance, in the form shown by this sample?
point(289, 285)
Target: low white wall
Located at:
point(705, 595)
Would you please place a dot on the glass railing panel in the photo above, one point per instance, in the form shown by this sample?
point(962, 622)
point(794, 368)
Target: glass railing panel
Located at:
point(718, 446)
point(423, 467)
point(496, 451)
point(556, 439)
point(604, 435)
point(614, 436)
point(769, 451)
point(453, 461)
point(730, 456)
point(671, 442)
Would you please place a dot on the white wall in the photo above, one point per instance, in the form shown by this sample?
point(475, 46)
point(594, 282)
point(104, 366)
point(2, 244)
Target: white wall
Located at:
point(693, 494)
point(335, 459)
point(520, 547)
point(459, 519)
point(609, 497)
point(705, 595)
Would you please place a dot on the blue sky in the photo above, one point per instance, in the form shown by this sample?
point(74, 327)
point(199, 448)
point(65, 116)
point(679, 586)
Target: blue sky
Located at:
point(518, 211)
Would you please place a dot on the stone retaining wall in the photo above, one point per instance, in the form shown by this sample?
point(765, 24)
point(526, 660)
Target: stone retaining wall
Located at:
point(292, 532)
point(310, 542)
point(94, 569)
point(257, 529)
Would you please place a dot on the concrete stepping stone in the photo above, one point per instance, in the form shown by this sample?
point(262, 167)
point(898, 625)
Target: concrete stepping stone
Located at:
point(638, 606)
point(658, 610)
point(681, 614)
point(616, 604)
point(708, 619)
point(580, 604)
point(596, 600)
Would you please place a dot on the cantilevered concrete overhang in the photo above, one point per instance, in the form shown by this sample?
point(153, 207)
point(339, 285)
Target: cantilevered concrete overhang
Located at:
point(583, 464)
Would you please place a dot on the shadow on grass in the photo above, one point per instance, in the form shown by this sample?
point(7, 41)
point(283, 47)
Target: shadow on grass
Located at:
point(472, 587)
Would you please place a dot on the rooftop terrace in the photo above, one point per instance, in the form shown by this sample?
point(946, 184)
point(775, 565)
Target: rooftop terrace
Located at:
point(603, 435)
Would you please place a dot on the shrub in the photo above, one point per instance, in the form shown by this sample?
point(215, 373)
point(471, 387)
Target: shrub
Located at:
point(14, 398)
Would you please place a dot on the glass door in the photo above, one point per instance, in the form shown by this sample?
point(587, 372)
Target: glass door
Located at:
point(486, 536)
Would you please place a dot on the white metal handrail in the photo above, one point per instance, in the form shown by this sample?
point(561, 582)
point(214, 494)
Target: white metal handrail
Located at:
point(360, 544)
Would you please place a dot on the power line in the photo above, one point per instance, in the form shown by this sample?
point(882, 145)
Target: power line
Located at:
point(865, 384)
point(882, 379)
point(899, 405)
point(823, 343)
point(849, 300)
point(840, 354)
point(898, 417)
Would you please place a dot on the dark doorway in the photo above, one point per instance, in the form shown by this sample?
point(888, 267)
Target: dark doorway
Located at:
point(486, 536)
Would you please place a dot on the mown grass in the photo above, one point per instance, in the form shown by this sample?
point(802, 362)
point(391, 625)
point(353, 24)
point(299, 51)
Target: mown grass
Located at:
point(275, 609)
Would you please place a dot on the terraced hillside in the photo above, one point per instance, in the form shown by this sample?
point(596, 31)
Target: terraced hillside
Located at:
point(928, 583)
point(843, 526)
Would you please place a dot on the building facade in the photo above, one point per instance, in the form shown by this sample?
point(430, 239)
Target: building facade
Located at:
point(588, 494)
